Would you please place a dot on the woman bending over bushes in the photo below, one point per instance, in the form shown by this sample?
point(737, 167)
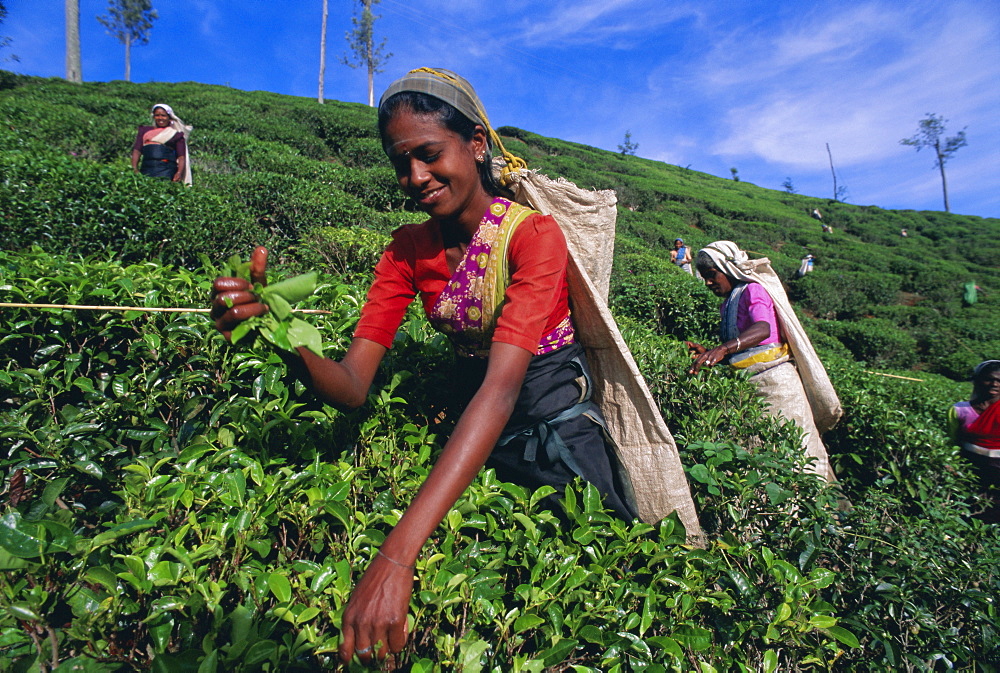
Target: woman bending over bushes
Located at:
point(491, 275)
point(761, 335)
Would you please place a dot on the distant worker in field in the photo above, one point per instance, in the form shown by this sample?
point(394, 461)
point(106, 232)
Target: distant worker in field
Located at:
point(161, 150)
point(681, 256)
point(904, 233)
point(761, 335)
point(816, 215)
point(806, 266)
point(975, 425)
point(970, 293)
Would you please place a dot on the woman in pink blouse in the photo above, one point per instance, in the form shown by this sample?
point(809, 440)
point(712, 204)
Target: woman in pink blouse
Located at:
point(757, 323)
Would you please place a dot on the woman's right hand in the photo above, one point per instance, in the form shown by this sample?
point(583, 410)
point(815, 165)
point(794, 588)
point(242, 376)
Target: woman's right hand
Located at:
point(374, 621)
point(695, 349)
point(233, 300)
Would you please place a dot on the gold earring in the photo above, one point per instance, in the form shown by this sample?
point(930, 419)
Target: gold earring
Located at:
point(481, 158)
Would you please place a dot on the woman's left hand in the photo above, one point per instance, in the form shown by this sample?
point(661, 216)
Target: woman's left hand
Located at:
point(709, 358)
point(374, 621)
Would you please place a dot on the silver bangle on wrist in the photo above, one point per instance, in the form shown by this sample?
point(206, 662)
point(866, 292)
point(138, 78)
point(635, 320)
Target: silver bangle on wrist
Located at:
point(392, 560)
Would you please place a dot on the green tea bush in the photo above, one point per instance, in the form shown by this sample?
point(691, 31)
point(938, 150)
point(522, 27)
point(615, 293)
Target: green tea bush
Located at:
point(844, 293)
point(940, 282)
point(171, 503)
point(362, 153)
point(660, 295)
point(349, 253)
point(875, 341)
point(63, 203)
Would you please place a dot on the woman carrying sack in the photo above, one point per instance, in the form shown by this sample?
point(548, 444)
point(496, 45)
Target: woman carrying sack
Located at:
point(492, 276)
point(761, 335)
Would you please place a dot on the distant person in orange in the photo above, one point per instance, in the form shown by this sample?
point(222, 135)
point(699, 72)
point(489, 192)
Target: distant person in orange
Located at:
point(161, 151)
point(975, 425)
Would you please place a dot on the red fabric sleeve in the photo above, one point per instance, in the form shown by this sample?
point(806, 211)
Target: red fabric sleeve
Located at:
point(537, 298)
point(390, 293)
point(413, 263)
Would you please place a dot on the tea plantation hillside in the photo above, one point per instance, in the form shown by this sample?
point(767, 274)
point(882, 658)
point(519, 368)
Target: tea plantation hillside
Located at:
point(174, 503)
point(281, 170)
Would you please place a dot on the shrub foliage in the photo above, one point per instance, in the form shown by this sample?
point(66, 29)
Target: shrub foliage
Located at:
point(172, 503)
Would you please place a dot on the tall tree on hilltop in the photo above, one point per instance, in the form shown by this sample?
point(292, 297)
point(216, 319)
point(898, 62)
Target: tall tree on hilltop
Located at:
point(322, 52)
point(129, 22)
point(362, 42)
point(74, 72)
point(929, 134)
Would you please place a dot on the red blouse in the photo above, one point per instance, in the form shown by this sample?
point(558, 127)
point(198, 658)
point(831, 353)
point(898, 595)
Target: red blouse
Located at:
point(537, 299)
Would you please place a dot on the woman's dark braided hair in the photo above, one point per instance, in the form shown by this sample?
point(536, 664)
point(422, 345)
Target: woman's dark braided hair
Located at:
point(451, 119)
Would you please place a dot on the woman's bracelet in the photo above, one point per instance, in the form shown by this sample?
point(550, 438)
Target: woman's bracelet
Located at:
point(739, 345)
point(392, 560)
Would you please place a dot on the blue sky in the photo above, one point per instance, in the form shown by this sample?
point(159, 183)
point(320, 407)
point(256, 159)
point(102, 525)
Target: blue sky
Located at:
point(761, 85)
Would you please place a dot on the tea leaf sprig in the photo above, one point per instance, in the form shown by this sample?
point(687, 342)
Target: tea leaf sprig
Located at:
point(278, 326)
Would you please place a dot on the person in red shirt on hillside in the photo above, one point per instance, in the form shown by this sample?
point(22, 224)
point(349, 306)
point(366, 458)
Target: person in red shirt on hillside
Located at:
point(491, 275)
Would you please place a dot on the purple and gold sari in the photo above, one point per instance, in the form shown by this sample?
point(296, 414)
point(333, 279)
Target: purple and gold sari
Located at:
point(467, 309)
point(556, 433)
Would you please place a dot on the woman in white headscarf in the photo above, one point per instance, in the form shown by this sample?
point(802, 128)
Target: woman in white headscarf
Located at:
point(761, 334)
point(160, 151)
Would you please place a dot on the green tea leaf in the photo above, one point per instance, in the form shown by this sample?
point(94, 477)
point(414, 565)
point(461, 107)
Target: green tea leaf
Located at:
point(301, 333)
point(292, 290)
point(843, 635)
point(20, 538)
point(280, 587)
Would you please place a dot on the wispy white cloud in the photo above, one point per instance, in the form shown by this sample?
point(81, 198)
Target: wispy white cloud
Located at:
point(208, 17)
point(598, 21)
point(894, 69)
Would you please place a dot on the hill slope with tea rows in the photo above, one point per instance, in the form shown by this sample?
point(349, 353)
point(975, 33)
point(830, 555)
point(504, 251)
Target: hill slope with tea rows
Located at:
point(175, 503)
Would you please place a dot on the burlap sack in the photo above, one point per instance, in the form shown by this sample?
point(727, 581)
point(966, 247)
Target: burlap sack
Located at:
point(587, 219)
point(822, 396)
point(782, 387)
point(645, 445)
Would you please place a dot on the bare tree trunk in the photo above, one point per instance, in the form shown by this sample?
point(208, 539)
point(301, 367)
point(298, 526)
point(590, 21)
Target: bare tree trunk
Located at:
point(371, 76)
point(74, 73)
point(371, 86)
point(128, 59)
point(944, 182)
point(371, 65)
point(830, 154)
point(322, 52)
